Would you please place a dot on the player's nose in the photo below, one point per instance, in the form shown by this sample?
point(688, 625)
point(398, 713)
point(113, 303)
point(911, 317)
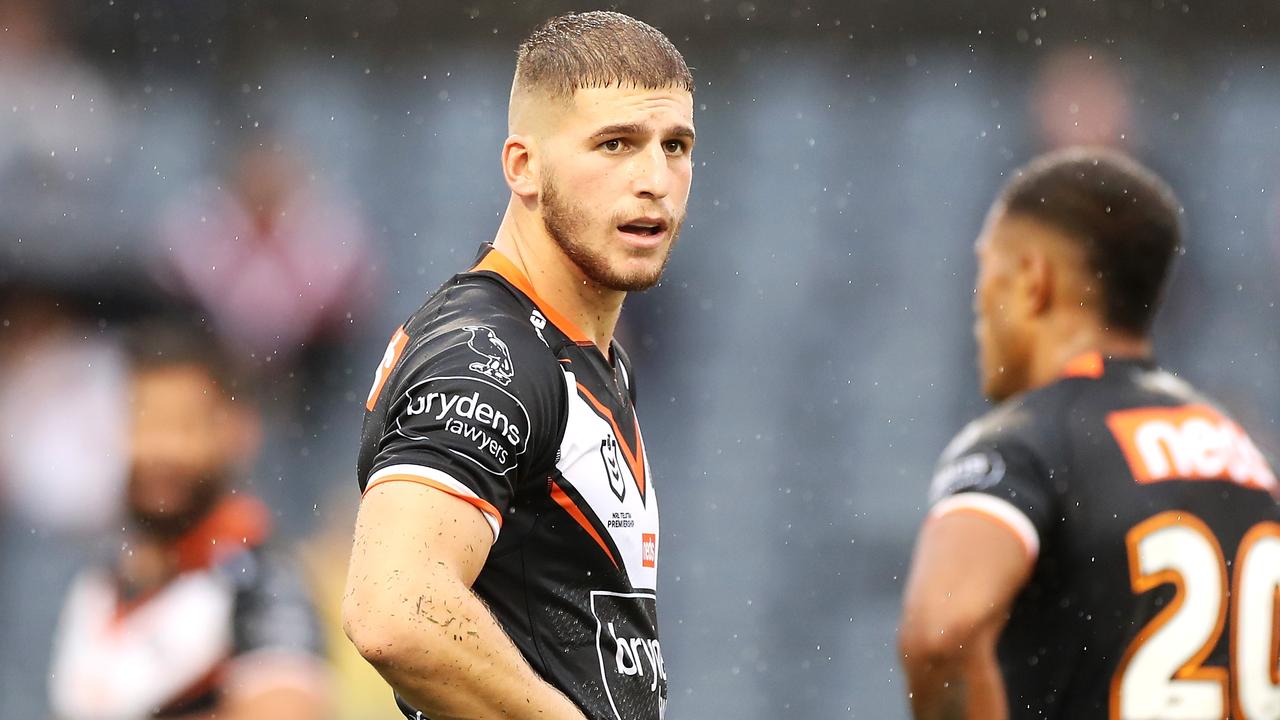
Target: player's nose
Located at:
point(652, 176)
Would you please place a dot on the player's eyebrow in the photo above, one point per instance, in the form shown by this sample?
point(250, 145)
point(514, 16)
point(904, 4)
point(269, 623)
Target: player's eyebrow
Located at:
point(633, 129)
point(682, 131)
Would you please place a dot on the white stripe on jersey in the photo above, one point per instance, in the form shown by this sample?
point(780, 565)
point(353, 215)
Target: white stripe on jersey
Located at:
point(998, 508)
point(438, 476)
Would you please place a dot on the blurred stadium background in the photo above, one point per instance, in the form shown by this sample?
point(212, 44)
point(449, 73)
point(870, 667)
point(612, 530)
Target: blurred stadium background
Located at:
point(802, 365)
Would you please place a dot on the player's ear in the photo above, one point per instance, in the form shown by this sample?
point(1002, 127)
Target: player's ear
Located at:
point(519, 168)
point(1038, 281)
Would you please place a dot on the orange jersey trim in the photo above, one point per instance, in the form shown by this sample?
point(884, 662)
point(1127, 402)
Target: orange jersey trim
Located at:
point(1193, 668)
point(1259, 532)
point(495, 262)
point(992, 509)
point(395, 349)
point(1188, 442)
point(237, 521)
point(480, 504)
point(635, 460)
point(1087, 365)
point(563, 500)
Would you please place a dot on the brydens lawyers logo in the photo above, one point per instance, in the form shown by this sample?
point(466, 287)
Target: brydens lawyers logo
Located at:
point(649, 550)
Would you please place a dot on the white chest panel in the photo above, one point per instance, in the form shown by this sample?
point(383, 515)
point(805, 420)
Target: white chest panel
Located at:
point(594, 461)
point(107, 667)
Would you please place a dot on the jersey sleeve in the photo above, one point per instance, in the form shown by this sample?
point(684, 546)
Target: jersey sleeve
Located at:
point(276, 632)
point(999, 476)
point(474, 411)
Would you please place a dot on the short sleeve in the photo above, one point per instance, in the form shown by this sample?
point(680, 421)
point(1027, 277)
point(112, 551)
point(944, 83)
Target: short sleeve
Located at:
point(276, 633)
point(473, 412)
point(1000, 477)
point(273, 608)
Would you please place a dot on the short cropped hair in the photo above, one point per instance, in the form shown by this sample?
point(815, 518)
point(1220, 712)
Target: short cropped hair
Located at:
point(598, 49)
point(1126, 218)
point(161, 343)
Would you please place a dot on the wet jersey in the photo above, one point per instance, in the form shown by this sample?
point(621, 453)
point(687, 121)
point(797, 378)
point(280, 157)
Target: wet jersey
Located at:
point(490, 395)
point(237, 617)
point(1155, 525)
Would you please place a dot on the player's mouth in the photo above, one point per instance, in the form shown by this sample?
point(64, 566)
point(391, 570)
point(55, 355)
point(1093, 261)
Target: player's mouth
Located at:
point(644, 232)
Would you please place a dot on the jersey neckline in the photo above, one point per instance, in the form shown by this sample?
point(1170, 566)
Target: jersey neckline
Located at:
point(1094, 365)
point(493, 260)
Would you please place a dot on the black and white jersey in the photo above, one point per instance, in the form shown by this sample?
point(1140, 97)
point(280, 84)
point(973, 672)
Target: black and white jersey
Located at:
point(490, 395)
point(1156, 531)
point(236, 617)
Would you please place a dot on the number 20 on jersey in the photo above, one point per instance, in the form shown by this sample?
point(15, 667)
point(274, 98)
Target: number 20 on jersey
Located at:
point(1162, 675)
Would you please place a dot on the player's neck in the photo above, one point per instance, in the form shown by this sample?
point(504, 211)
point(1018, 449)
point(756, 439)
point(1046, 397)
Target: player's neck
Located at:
point(1068, 343)
point(556, 279)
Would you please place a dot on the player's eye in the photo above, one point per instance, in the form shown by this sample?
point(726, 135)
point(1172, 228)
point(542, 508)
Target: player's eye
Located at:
point(675, 147)
point(613, 145)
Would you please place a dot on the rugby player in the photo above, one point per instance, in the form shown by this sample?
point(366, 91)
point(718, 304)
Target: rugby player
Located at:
point(1105, 542)
point(505, 554)
point(191, 615)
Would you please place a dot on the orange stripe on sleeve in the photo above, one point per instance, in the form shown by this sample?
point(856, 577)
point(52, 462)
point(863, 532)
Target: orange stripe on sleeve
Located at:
point(996, 510)
point(479, 503)
point(395, 349)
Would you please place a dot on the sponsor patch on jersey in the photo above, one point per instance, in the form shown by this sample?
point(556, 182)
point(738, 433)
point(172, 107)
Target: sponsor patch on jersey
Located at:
point(649, 550)
point(497, 356)
point(475, 411)
point(971, 471)
point(1188, 442)
point(631, 667)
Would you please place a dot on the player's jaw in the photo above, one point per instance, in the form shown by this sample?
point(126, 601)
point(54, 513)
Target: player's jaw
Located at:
point(1002, 344)
point(166, 501)
point(625, 251)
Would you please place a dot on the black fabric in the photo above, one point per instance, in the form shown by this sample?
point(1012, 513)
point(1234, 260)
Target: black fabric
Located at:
point(1065, 468)
point(571, 577)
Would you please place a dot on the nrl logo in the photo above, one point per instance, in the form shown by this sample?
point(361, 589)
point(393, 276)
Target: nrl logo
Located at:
point(486, 344)
point(613, 467)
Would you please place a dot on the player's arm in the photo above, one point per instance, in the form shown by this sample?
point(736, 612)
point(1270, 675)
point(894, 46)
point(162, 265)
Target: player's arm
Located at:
point(278, 668)
point(410, 611)
point(278, 702)
point(967, 570)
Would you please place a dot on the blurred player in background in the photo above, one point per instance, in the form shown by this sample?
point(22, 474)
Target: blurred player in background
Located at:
point(505, 557)
point(1106, 541)
point(192, 617)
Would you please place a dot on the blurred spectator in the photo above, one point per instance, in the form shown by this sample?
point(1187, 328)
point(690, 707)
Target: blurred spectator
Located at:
point(57, 129)
point(277, 257)
point(1081, 99)
point(191, 616)
point(62, 415)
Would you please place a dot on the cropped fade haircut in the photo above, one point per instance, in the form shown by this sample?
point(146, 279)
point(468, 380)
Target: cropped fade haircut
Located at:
point(594, 50)
point(172, 341)
point(1124, 216)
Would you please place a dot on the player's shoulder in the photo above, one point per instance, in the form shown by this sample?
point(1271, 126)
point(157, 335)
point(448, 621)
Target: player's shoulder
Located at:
point(1043, 420)
point(1022, 420)
point(480, 321)
point(1026, 427)
point(475, 299)
point(274, 606)
point(257, 569)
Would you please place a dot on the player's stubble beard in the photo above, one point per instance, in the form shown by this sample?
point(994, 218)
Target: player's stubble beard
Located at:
point(172, 523)
point(566, 223)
